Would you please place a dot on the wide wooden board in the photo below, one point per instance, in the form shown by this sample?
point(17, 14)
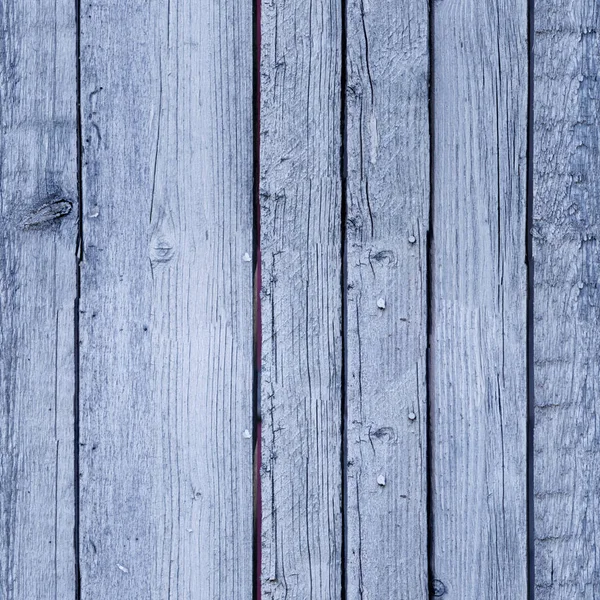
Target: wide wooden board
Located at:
point(387, 241)
point(301, 298)
point(38, 234)
point(479, 300)
point(566, 229)
point(166, 300)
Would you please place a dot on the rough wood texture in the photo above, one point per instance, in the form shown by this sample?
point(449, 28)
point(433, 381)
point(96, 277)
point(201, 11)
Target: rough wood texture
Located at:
point(566, 230)
point(301, 299)
point(166, 308)
point(38, 232)
point(478, 343)
point(387, 221)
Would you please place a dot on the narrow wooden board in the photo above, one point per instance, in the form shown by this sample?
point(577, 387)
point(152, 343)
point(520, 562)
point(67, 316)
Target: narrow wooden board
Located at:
point(387, 223)
point(566, 214)
point(479, 298)
point(300, 201)
point(38, 233)
point(166, 300)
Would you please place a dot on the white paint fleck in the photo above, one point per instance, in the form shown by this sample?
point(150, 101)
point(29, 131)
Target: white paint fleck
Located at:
point(580, 78)
point(94, 212)
point(122, 568)
point(246, 257)
point(412, 239)
point(412, 416)
point(247, 434)
point(190, 531)
point(381, 303)
point(381, 480)
point(374, 137)
point(581, 285)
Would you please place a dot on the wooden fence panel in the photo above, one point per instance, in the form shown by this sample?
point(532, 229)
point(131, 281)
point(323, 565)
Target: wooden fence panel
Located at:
point(38, 233)
point(407, 309)
point(566, 216)
point(300, 201)
point(166, 300)
point(479, 298)
point(387, 225)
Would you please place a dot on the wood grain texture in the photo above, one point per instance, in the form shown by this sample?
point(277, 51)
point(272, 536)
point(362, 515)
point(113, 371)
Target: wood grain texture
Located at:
point(478, 338)
point(38, 232)
point(565, 234)
point(300, 201)
point(166, 300)
point(387, 222)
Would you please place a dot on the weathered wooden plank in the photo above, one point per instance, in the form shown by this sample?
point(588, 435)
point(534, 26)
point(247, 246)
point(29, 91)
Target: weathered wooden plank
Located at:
point(566, 228)
point(300, 201)
point(478, 338)
point(38, 232)
point(166, 300)
point(387, 223)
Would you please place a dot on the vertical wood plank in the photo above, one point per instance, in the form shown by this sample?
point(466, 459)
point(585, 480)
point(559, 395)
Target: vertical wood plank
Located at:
point(478, 343)
point(300, 201)
point(566, 300)
point(387, 223)
point(38, 232)
point(166, 300)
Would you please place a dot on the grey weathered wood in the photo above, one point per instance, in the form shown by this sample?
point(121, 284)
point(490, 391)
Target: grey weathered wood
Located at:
point(38, 232)
point(478, 341)
point(387, 222)
point(166, 300)
point(300, 193)
point(566, 216)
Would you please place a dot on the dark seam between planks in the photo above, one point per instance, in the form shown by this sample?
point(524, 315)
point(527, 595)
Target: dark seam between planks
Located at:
point(429, 325)
point(344, 286)
point(530, 295)
point(256, 318)
point(344, 290)
point(78, 259)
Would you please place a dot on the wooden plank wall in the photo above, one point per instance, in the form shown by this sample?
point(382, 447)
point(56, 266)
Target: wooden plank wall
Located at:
point(425, 186)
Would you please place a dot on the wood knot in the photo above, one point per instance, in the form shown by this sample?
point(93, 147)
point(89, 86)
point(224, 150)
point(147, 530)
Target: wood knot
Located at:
point(439, 589)
point(384, 432)
point(383, 258)
point(161, 251)
point(48, 213)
